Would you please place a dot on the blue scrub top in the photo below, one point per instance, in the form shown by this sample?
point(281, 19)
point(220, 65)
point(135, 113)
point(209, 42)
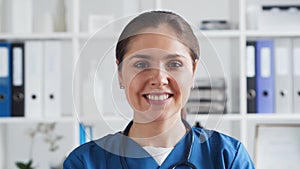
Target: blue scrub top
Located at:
point(210, 150)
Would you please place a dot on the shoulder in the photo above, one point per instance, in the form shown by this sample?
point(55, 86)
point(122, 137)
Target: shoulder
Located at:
point(216, 139)
point(81, 156)
point(88, 153)
point(84, 149)
point(224, 149)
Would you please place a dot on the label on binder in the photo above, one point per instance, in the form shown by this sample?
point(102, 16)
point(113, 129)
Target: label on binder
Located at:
point(17, 67)
point(297, 62)
point(265, 62)
point(250, 61)
point(3, 62)
point(282, 61)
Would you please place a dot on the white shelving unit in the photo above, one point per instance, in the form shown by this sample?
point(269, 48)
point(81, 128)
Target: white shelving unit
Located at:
point(229, 44)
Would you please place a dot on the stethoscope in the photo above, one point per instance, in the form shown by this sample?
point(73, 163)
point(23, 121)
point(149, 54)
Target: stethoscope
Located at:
point(184, 162)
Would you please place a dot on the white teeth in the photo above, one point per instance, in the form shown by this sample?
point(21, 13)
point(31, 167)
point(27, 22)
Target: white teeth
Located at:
point(158, 97)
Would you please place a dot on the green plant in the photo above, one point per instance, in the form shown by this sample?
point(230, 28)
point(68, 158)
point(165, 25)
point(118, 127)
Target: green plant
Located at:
point(27, 165)
point(47, 130)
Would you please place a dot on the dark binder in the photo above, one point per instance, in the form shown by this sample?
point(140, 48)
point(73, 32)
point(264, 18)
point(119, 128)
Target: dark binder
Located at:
point(251, 76)
point(18, 94)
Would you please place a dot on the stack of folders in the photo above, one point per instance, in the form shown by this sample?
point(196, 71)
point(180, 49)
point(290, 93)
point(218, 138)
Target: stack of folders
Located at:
point(273, 76)
point(30, 79)
point(207, 97)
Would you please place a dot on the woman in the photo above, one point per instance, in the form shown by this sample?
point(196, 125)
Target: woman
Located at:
point(157, 55)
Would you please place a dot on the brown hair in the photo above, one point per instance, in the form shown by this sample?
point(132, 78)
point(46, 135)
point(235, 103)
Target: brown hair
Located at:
point(153, 19)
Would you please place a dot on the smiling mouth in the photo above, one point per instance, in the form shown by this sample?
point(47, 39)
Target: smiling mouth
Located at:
point(157, 97)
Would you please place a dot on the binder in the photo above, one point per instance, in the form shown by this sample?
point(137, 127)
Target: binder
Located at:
point(34, 79)
point(5, 80)
point(296, 75)
point(283, 76)
point(265, 76)
point(82, 134)
point(52, 72)
point(85, 133)
point(251, 76)
point(18, 95)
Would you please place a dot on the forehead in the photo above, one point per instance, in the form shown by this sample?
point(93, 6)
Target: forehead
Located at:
point(156, 43)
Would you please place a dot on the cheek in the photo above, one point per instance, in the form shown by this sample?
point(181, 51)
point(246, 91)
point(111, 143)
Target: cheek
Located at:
point(134, 85)
point(129, 77)
point(184, 82)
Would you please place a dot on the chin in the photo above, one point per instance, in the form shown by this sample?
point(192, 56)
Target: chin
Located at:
point(162, 116)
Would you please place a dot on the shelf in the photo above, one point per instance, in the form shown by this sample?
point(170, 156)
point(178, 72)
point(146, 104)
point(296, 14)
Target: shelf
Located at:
point(62, 36)
point(199, 33)
point(219, 33)
point(86, 35)
point(111, 118)
point(229, 117)
point(201, 117)
point(273, 117)
point(8, 120)
point(272, 33)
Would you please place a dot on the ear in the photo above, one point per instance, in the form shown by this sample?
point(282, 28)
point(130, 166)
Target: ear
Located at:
point(195, 65)
point(117, 63)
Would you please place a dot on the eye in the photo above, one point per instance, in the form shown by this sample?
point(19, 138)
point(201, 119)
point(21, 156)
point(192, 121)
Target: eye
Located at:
point(174, 64)
point(141, 65)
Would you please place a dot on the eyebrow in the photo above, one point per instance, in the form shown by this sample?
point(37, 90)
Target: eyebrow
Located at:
point(171, 56)
point(141, 57)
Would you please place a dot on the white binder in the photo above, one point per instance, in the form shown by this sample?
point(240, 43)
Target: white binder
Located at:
point(52, 86)
point(296, 75)
point(283, 76)
point(34, 79)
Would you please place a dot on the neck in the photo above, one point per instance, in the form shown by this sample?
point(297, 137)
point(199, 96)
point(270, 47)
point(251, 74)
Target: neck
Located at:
point(164, 133)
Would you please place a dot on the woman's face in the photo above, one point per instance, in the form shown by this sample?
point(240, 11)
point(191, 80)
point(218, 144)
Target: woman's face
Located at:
point(157, 73)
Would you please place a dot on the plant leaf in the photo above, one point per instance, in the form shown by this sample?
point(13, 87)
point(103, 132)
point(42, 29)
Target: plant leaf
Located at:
point(21, 165)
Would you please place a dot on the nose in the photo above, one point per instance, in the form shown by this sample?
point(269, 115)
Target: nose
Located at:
point(159, 77)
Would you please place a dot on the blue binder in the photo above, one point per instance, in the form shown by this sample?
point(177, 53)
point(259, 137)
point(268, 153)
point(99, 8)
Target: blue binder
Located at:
point(5, 80)
point(265, 76)
point(82, 134)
